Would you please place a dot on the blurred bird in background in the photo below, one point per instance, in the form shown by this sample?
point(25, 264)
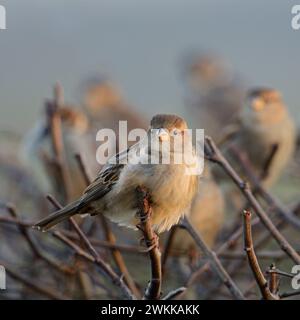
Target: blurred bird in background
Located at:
point(105, 107)
point(213, 94)
point(113, 192)
point(264, 123)
point(36, 147)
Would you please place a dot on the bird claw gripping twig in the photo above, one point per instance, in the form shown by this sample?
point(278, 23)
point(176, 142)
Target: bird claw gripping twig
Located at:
point(150, 243)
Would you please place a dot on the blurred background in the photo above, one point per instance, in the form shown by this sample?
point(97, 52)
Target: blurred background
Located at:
point(139, 44)
point(128, 60)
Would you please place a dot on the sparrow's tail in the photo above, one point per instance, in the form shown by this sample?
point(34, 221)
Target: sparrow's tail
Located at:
point(59, 216)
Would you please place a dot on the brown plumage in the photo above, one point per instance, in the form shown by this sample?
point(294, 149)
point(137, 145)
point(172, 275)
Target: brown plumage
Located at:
point(213, 95)
point(106, 107)
point(113, 192)
point(265, 122)
point(206, 215)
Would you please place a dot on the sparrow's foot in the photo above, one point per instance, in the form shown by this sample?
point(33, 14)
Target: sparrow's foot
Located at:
point(151, 243)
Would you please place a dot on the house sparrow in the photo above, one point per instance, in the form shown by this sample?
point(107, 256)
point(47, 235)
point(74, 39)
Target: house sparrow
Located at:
point(113, 192)
point(265, 122)
point(206, 215)
point(213, 95)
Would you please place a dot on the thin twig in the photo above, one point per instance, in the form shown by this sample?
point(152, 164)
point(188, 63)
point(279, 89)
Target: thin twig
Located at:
point(96, 242)
point(168, 247)
point(253, 262)
point(289, 294)
point(95, 256)
point(153, 290)
point(110, 238)
point(215, 155)
point(32, 284)
point(271, 200)
point(174, 294)
point(226, 245)
point(214, 260)
point(32, 245)
point(273, 280)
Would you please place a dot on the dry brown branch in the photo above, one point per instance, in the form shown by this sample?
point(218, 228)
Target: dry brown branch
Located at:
point(267, 165)
point(168, 248)
point(215, 155)
point(214, 261)
point(281, 273)
point(259, 189)
point(253, 262)
point(275, 255)
point(70, 234)
point(153, 290)
point(32, 284)
point(32, 245)
point(54, 124)
point(94, 254)
point(273, 280)
point(226, 245)
point(289, 294)
point(110, 238)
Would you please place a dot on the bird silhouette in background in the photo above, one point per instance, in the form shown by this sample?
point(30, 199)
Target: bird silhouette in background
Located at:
point(214, 96)
point(76, 139)
point(105, 107)
point(264, 123)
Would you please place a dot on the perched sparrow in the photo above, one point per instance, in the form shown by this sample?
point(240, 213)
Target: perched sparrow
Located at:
point(206, 215)
point(113, 192)
point(213, 95)
point(265, 122)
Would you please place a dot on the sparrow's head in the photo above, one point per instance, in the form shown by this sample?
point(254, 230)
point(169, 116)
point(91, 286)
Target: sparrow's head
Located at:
point(264, 106)
point(168, 126)
point(206, 71)
point(100, 94)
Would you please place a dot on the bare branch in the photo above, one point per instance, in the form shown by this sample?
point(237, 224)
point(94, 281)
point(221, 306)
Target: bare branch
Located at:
point(253, 262)
point(33, 284)
point(174, 294)
point(214, 261)
point(215, 155)
point(153, 291)
point(110, 238)
point(94, 254)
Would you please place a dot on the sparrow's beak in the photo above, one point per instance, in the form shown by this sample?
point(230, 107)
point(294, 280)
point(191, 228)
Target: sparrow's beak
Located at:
point(163, 134)
point(257, 104)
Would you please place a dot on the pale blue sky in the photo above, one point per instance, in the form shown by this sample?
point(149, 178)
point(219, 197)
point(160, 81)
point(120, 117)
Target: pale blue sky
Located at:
point(139, 43)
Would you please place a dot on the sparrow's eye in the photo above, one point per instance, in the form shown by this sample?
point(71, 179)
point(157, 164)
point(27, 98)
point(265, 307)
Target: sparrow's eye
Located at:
point(175, 132)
